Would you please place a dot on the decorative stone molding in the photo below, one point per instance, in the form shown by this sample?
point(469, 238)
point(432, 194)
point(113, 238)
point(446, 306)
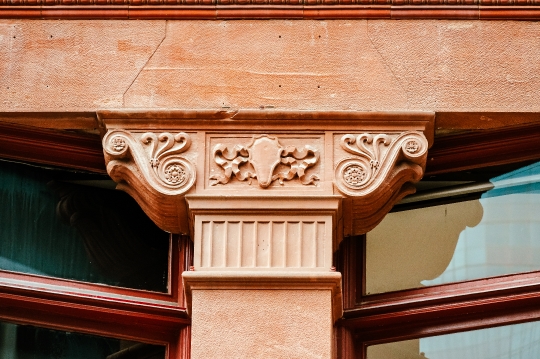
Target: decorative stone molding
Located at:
point(257, 9)
point(194, 280)
point(266, 234)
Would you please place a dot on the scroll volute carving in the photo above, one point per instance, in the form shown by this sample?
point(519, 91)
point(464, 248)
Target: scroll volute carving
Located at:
point(378, 171)
point(152, 169)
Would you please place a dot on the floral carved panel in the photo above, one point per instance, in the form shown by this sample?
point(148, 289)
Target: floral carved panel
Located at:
point(265, 161)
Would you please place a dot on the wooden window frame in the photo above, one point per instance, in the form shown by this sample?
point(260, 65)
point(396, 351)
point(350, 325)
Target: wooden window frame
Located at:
point(96, 309)
point(69, 305)
point(423, 312)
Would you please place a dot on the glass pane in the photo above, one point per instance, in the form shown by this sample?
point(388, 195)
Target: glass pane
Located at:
point(29, 342)
point(495, 235)
point(54, 228)
point(520, 341)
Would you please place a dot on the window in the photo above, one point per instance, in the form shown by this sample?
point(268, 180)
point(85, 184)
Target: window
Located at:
point(452, 272)
point(84, 273)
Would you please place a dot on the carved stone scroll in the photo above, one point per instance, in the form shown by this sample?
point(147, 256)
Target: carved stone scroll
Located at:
point(264, 154)
point(151, 169)
point(382, 170)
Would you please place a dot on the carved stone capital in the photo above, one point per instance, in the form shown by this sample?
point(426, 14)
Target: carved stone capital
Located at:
point(266, 197)
point(371, 160)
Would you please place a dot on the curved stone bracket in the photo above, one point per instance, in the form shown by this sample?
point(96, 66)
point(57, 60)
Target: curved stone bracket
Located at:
point(382, 170)
point(151, 169)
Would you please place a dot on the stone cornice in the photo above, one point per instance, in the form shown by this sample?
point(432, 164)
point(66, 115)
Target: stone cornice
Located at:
point(255, 9)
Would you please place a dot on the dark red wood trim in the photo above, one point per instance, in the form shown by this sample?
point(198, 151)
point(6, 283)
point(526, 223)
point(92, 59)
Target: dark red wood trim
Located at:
point(104, 310)
point(52, 120)
point(50, 288)
point(483, 149)
point(51, 147)
point(181, 255)
point(330, 9)
point(514, 313)
point(82, 312)
point(348, 265)
point(345, 343)
point(446, 308)
point(185, 248)
point(184, 344)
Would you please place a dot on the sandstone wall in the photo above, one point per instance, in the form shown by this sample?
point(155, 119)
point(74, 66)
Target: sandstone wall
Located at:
point(317, 65)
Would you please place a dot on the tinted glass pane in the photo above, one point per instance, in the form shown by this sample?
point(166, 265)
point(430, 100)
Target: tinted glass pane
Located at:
point(520, 341)
point(29, 342)
point(495, 235)
point(55, 228)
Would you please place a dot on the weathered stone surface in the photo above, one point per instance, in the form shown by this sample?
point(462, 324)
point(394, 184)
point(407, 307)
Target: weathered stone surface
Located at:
point(318, 65)
point(261, 324)
point(286, 64)
point(463, 65)
point(72, 65)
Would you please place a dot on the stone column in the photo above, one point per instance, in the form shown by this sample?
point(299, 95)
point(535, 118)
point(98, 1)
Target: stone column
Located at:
point(266, 198)
point(263, 285)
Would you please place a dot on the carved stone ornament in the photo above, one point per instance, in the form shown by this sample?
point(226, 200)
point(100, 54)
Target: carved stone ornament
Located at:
point(375, 157)
point(264, 154)
point(382, 170)
point(153, 162)
point(170, 160)
point(321, 176)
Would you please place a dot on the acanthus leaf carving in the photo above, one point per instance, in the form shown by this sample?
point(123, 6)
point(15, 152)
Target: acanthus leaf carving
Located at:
point(264, 154)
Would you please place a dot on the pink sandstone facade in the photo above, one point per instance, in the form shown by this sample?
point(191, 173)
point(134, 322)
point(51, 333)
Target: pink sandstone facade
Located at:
point(155, 71)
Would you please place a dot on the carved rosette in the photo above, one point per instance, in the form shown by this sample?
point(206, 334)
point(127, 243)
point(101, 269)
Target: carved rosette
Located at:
point(151, 168)
point(381, 171)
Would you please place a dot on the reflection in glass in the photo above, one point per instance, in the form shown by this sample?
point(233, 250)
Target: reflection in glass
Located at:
point(507, 239)
point(29, 342)
point(495, 235)
point(53, 228)
point(520, 341)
